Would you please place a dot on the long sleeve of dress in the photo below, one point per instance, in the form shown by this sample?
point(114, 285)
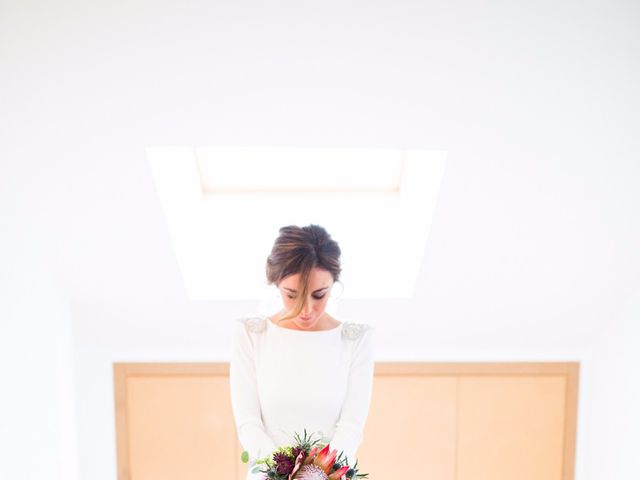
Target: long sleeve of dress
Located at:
point(245, 402)
point(355, 409)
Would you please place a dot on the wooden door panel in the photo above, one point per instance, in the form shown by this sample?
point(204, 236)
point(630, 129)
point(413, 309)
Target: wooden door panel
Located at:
point(411, 429)
point(511, 427)
point(455, 421)
point(180, 426)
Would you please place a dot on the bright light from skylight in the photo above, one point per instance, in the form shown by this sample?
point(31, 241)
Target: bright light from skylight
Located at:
point(300, 170)
point(224, 206)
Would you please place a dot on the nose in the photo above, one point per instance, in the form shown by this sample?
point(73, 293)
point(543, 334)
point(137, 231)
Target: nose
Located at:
point(307, 308)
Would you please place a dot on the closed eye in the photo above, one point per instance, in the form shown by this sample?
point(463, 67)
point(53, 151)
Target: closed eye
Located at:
point(317, 297)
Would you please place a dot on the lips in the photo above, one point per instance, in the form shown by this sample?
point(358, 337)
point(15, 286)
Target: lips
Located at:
point(305, 319)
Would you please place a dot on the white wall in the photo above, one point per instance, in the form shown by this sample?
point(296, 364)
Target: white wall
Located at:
point(611, 428)
point(37, 397)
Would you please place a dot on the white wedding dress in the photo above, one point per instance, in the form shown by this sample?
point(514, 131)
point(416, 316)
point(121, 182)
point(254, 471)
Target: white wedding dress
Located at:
point(284, 381)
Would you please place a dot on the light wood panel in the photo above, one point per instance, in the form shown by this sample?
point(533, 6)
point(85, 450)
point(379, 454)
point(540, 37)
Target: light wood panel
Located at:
point(511, 427)
point(412, 421)
point(441, 421)
point(175, 423)
point(489, 395)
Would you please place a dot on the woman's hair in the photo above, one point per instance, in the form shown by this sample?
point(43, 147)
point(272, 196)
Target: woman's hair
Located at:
point(299, 250)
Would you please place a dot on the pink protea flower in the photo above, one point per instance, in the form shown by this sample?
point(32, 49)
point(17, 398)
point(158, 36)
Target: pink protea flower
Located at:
point(318, 466)
point(298, 464)
point(337, 475)
point(326, 458)
point(309, 459)
point(311, 472)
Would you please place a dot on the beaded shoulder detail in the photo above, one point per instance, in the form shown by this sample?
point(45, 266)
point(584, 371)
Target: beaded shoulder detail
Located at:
point(255, 324)
point(353, 330)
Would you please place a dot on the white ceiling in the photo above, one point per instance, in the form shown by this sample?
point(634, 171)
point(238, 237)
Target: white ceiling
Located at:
point(537, 227)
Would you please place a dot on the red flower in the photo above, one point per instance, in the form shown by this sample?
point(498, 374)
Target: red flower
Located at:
point(318, 466)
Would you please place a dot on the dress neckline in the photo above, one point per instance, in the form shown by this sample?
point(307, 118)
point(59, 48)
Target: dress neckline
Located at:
point(295, 331)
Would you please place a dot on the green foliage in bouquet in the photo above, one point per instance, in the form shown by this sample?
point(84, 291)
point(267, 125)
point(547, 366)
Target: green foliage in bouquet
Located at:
point(306, 459)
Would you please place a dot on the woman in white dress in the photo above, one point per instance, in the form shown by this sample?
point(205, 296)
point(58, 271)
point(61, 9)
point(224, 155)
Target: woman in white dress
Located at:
point(300, 368)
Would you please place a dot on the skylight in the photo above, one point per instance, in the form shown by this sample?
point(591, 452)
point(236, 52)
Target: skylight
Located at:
point(299, 170)
point(224, 206)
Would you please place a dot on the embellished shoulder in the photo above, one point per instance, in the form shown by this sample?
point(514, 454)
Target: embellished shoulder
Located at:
point(353, 330)
point(254, 324)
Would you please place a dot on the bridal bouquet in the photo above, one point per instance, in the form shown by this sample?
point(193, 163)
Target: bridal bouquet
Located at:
point(306, 459)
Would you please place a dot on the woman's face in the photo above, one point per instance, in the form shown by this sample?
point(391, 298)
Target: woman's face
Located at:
point(320, 283)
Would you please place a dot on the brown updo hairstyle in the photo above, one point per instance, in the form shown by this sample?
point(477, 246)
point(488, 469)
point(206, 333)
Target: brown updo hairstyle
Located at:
point(299, 250)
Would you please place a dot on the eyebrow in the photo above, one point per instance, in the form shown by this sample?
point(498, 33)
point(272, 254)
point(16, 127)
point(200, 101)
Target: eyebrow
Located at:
point(315, 291)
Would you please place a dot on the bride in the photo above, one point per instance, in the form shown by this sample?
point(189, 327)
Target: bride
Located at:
point(299, 368)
